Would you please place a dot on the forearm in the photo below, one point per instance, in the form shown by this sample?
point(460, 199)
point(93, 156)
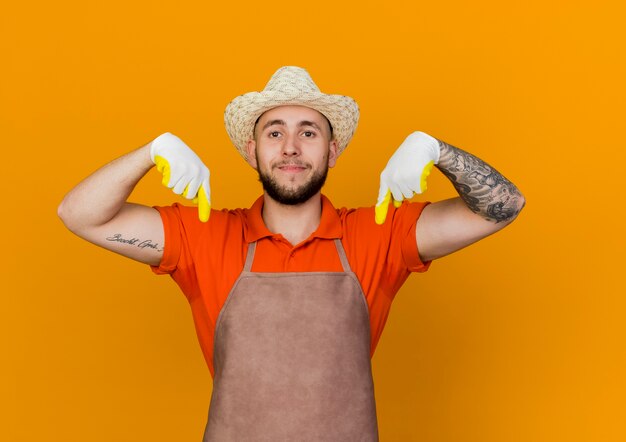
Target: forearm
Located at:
point(100, 196)
point(484, 190)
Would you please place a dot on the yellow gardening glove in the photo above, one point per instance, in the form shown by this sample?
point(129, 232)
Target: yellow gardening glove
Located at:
point(406, 172)
point(183, 171)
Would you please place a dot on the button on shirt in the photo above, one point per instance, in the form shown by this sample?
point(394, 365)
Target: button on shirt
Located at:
point(205, 259)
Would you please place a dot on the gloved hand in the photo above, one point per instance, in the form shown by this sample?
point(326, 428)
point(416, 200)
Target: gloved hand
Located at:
point(406, 172)
point(183, 170)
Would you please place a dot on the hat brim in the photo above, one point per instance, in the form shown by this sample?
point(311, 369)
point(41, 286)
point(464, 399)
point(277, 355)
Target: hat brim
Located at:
point(243, 111)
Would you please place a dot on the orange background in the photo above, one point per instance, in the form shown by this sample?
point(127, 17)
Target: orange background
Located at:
point(520, 337)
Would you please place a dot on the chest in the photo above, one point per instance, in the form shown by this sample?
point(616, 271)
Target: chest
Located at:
point(276, 255)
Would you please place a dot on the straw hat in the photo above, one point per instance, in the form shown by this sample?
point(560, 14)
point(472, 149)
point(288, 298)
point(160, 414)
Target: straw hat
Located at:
point(290, 85)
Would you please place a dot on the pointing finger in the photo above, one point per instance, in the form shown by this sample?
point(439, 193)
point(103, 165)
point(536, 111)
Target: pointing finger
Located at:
point(382, 206)
point(204, 203)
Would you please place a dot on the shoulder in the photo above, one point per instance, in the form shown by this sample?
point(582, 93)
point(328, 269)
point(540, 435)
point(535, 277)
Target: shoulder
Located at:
point(186, 218)
point(393, 243)
point(382, 255)
point(362, 219)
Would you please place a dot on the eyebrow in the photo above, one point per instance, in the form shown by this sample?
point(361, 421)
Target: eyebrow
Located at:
point(300, 124)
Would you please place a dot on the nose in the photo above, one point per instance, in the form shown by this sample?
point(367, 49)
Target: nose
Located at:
point(291, 146)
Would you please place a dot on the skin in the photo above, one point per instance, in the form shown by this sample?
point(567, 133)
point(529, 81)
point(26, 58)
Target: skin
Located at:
point(291, 153)
point(283, 138)
point(96, 210)
point(487, 202)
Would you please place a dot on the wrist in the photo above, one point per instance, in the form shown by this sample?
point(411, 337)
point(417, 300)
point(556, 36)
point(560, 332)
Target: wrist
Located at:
point(446, 155)
point(158, 144)
point(146, 155)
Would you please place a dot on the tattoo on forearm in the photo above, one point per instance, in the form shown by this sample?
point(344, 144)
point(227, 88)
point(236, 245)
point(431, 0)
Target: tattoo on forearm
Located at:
point(484, 189)
point(136, 242)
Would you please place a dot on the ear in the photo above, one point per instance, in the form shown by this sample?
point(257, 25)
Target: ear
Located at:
point(251, 151)
point(332, 153)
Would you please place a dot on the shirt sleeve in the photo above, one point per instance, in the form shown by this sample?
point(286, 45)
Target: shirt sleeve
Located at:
point(179, 224)
point(383, 256)
point(403, 227)
point(390, 248)
point(175, 241)
point(190, 242)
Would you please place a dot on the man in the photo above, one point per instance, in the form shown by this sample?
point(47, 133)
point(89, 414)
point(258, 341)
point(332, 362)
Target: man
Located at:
point(290, 296)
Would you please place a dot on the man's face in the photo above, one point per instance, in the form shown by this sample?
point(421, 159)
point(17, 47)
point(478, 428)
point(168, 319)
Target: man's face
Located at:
point(292, 152)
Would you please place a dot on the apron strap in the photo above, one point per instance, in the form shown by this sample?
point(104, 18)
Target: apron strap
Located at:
point(342, 256)
point(251, 248)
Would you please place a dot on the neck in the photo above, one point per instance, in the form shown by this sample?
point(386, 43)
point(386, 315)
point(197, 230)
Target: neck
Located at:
point(294, 223)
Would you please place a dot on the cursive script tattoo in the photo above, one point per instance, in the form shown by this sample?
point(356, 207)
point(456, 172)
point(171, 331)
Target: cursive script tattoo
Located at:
point(483, 189)
point(145, 244)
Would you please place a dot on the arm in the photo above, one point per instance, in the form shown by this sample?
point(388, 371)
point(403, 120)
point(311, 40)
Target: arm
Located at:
point(96, 210)
point(487, 202)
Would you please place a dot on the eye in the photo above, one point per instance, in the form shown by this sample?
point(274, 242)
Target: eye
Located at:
point(274, 134)
point(309, 134)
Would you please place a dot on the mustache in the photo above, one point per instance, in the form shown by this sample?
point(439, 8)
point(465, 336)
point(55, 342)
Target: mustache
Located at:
point(292, 163)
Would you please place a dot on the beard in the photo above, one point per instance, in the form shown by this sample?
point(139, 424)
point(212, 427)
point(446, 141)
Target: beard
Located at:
point(293, 196)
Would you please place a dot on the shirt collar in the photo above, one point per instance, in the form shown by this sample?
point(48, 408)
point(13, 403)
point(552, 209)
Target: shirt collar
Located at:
point(329, 228)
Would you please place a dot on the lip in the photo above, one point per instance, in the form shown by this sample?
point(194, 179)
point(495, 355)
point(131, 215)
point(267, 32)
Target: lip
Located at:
point(292, 168)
